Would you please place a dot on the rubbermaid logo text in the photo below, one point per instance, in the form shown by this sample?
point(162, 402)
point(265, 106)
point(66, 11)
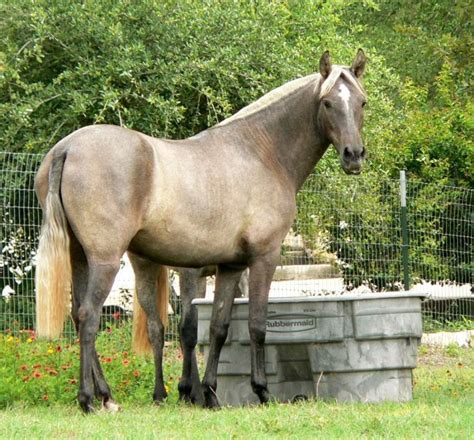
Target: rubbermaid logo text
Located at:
point(290, 323)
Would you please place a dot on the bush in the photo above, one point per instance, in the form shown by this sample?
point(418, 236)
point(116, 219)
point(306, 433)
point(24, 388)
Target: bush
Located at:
point(169, 69)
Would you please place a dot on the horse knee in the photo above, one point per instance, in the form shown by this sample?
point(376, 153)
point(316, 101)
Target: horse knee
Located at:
point(257, 332)
point(219, 331)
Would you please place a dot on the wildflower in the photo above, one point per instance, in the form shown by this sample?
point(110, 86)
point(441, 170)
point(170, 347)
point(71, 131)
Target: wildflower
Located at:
point(25, 378)
point(125, 354)
point(29, 340)
point(136, 373)
point(45, 397)
point(24, 367)
point(50, 351)
point(10, 338)
point(36, 374)
point(125, 362)
point(52, 372)
point(116, 315)
point(59, 349)
point(72, 381)
point(65, 367)
point(106, 360)
point(167, 388)
point(36, 366)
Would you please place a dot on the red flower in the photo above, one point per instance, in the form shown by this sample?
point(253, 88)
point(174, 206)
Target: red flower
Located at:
point(25, 378)
point(52, 372)
point(37, 366)
point(36, 374)
point(58, 348)
point(106, 360)
point(136, 373)
point(45, 397)
point(72, 381)
point(125, 354)
point(125, 362)
point(24, 367)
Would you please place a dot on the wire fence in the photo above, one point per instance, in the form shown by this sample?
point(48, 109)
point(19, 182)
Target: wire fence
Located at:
point(351, 235)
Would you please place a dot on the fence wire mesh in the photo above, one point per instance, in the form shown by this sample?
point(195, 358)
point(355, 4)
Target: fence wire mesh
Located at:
point(347, 237)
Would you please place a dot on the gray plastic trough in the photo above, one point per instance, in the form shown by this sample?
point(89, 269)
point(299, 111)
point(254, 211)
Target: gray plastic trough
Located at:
point(347, 348)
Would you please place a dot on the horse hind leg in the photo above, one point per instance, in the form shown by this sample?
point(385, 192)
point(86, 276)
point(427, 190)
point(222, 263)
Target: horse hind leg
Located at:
point(80, 274)
point(192, 284)
point(146, 276)
point(87, 310)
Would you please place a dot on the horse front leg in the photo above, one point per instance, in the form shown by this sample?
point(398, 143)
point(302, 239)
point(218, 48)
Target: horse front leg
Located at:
point(261, 274)
point(100, 279)
point(226, 281)
point(192, 284)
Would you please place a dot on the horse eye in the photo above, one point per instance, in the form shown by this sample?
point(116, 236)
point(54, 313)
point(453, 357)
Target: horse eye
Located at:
point(327, 104)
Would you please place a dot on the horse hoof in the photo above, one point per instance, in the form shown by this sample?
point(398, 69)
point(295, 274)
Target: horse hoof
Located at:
point(111, 406)
point(87, 408)
point(265, 396)
point(159, 397)
point(210, 399)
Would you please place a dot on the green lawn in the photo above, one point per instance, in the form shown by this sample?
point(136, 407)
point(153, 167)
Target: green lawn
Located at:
point(442, 406)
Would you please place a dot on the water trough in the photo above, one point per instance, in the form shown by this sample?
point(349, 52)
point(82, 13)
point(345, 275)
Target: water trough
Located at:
point(343, 347)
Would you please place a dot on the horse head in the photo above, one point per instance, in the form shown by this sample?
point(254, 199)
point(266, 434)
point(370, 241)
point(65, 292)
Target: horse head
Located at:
point(340, 110)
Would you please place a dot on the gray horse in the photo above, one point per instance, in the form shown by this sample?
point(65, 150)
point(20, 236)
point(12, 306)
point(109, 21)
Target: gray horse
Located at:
point(224, 197)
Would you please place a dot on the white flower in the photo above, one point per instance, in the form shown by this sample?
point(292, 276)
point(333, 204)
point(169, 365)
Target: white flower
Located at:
point(7, 292)
point(343, 224)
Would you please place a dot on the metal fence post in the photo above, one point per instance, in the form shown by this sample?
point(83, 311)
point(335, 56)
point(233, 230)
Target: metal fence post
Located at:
point(404, 226)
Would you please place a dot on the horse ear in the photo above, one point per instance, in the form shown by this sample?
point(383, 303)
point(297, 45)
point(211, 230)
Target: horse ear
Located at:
point(358, 66)
point(325, 65)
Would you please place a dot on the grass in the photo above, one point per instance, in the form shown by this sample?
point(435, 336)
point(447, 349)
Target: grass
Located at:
point(442, 406)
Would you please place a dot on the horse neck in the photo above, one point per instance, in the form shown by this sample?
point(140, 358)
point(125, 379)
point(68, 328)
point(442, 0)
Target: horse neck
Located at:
point(285, 136)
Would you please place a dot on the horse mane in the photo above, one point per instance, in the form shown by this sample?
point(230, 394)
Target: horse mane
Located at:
point(271, 97)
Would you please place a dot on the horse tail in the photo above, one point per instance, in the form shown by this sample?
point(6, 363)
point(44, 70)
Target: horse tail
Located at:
point(53, 269)
point(141, 342)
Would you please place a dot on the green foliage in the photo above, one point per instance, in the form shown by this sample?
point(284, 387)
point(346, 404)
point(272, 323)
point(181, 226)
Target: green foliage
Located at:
point(428, 44)
point(169, 69)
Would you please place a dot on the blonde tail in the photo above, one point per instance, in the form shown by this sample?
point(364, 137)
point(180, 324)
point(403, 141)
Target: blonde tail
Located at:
point(141, 343)
point(53, 269)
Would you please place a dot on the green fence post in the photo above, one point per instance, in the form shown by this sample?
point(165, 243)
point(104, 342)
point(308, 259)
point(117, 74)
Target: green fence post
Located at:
point(404, 226)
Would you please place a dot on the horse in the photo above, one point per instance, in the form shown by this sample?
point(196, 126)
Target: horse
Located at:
point(223, 197)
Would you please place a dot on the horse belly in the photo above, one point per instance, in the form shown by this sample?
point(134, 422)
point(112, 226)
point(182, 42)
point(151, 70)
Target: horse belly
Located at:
point(188, 247)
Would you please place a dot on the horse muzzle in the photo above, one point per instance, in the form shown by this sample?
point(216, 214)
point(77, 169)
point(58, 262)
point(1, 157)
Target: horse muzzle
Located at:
point(352, 159)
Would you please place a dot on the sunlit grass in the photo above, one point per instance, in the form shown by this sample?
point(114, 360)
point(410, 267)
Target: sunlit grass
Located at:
point(39, 385)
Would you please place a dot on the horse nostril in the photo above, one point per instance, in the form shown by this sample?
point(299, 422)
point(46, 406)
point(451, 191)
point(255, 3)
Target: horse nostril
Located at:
point(346, 153)
point(362, 153)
